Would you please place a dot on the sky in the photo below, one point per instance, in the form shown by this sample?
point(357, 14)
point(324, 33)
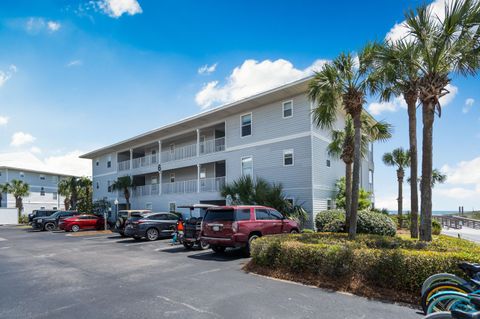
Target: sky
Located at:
point(80, 75)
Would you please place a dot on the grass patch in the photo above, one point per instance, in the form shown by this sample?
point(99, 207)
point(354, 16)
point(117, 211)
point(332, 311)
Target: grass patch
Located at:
point(389, 268)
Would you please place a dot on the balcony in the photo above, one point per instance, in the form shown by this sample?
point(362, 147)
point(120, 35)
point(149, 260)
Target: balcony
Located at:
point(146, 190)
point(145, 161)
point(212, 184)
point(212, 146)
point(191, 186)
point(179, 153)
point(124, 165)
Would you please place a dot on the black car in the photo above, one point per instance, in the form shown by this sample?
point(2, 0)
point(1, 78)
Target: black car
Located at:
point(40, 213)
point(51, 222)
point(123, 216)
point(151, 226)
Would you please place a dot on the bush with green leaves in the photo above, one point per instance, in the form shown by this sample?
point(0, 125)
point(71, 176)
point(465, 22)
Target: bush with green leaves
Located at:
point(436, 227)
point(23, 219)
point(397, 263)
point(369, 222)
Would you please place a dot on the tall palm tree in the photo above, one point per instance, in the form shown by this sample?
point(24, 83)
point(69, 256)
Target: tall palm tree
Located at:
point(398, 66)
point(446, 47)
point(64, 190)
point(400, 159)
point(437, 177)
point(19, 190)
point(3, 189)
point(124, 183)
point(73, 184)
point(342, 146)
point(85, 191)
point(344, 85)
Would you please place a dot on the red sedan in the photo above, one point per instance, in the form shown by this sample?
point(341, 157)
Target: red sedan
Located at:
point(81, 222)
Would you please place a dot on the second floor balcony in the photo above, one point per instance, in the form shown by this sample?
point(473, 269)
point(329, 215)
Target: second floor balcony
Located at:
point(213, 184)
point(191, 150)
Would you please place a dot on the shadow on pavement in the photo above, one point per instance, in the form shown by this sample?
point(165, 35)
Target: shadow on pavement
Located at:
point(228, 255)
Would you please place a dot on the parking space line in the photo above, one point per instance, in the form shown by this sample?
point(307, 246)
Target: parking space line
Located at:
point(140, 243)
point(3, 239)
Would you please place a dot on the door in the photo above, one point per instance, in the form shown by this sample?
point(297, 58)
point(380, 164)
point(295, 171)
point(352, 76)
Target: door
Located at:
point(277, 221)
point(265, 223)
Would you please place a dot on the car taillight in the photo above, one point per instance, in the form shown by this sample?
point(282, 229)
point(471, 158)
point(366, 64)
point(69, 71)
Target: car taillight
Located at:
point(235, 227)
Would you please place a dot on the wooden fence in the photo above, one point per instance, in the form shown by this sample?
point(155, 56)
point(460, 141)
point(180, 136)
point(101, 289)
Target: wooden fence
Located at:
point(457, 222)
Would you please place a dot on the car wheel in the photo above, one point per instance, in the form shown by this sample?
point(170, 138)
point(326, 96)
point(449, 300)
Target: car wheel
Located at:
point(294, 231)
point(203, 245)
point(218, 249)
point(251, 239)
point(75, 228)
point(50, 226)
point(188, 245)
point(152, 234)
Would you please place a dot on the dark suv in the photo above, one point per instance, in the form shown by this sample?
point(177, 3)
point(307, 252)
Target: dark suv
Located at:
point(51, 222)
point(40, 213)
point(151, 226)
point(238, 226)
point(123, 216)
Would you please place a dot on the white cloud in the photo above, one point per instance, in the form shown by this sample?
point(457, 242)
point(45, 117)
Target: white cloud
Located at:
point(74, 63)
point(53, 26)
point(446, 99)
point(390, 202)
point(400, 31)
point(116, 8)
point(69, 163)
point(206, 69)
point(4, 120)
point(250, 78)
point(35, 150)
point(468, 105)
point(6, 75)
point(21, 138)
point(463, 180)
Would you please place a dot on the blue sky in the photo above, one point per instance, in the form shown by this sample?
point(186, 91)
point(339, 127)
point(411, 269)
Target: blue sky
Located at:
point(77, 75)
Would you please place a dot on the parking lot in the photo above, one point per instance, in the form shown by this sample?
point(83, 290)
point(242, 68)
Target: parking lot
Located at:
point(51, 275)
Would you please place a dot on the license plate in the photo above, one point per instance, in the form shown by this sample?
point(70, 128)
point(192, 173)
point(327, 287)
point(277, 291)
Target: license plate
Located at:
point(216, 228)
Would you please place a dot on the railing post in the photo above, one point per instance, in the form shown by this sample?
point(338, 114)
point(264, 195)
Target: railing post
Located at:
point(198, 142)
point(198, 178)
point(131, 159)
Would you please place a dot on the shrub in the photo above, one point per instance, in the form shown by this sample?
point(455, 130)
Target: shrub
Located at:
point(307, 231)
point(23, 219)
point(436, 227)
point(369, 222)
point(396, 263)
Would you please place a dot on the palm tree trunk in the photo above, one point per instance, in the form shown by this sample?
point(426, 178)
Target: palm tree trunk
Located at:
point(357, 124)
point(426, 182)
point(412, 134)
point(400, 175)
point(348, 194)
point(126, 193)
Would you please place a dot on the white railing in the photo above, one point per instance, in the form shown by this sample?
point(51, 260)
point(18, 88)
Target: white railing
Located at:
point(212, 146)
point(124, 165)
point(180, 153)
point(180, 187)
point(146, 190)
point(145, 161)
point(212, 184)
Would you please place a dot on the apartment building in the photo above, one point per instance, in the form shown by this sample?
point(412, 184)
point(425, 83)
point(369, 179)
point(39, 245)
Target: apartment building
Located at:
point(43, 188)
point(269, 135)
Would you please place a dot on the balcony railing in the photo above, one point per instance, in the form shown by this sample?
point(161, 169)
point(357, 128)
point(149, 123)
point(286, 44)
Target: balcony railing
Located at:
point(146, 190)
point(124, 165)
point(212, 146)
point(212, 184)
point(180, 187)
point(179, 153)
point(145, 161)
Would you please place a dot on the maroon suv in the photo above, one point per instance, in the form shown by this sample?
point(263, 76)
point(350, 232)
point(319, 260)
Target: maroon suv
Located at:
point(238, 226)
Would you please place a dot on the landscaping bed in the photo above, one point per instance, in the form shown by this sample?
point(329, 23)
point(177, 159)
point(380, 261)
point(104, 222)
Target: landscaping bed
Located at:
point(382, 267)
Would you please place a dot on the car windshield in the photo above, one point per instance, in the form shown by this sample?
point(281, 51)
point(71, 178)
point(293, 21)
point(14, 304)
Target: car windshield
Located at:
point(219, 215)
point(55, 215)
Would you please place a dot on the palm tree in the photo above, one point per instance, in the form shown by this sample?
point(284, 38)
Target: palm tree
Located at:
point(437, 177)
point(446, 47)
point(342, 146)
point(3, 189)
point(400, 159)
point(85, 191)
point(73, 183)
point(64, 190)
point(124, 183)
point(18, 189)
point(398, 65)
point(344, 84)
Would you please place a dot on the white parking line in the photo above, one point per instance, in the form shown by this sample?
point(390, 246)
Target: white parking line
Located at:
point(3, 239)
point(140, 243)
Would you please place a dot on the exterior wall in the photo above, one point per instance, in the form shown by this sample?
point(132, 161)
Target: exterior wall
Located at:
point(35, 200)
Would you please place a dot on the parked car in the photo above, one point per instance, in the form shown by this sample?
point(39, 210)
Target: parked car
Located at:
point(40, 213)
point(79, 222)
point(239, 226)
point(192, 225)
point(51, 222)
point(123, 216)
point(151, 226)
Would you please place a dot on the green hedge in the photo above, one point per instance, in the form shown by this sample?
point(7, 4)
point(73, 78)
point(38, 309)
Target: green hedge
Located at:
point(369, 222)
point(389, 262)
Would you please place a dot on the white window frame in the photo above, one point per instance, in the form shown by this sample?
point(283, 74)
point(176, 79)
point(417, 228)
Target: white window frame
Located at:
point(285, 152)
point(109, 161)
point(251, 125)
point(42, 177)
point(203, 170)
point(172, 175)
point(241, 164)
point(331, 204)
point(149, 206)
point(42, 191)
point(328, 162)
point(283, 109)
point(174, 205)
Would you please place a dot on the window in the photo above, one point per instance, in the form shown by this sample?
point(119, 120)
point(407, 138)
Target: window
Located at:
point(42, 191)
point(242, 214)
point(154, 180)
point(287, 108)
point(172, 177)
point(148, 206)
point(55, 179)
point(329, 163)
point(22, 175)
point(370, 176)
point(98, 185)
point(275, 215)
point(55, 207)
point(109, 162)
point(42, 177)
point(97, 162)
point(172, 206)
point(55, 195)
point(262, 214)
point(109, 187)
point(288, 158)
point(246, 122)
point(203, 172)
point(247, 166)
point(329, 204)
point(43, 207)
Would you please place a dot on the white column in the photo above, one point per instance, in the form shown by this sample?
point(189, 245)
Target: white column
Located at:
point(131, 158)
point(159, 161)
point(198, 142)
point(198, 178)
